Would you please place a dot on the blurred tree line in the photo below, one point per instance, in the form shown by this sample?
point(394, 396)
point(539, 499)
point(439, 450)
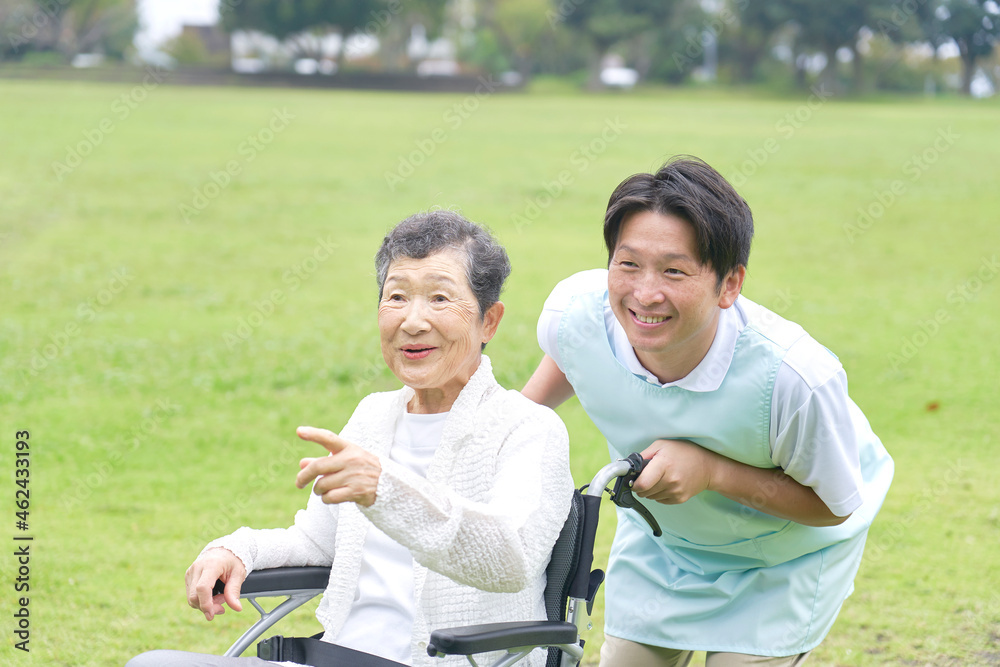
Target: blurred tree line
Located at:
point(54, 31)
point(845, 44)
point(299, 22)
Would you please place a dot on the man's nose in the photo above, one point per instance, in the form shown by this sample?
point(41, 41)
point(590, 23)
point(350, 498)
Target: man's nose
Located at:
point(649, 289)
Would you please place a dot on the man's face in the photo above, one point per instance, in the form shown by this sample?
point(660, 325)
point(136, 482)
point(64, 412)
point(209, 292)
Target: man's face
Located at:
point(667, 301)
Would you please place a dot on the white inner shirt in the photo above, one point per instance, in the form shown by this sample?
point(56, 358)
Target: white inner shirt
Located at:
point(381, 617)
point(812, 430)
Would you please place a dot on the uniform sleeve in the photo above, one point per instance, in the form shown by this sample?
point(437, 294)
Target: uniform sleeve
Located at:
point(813, 437)
point(556, 303)
point(501, 544)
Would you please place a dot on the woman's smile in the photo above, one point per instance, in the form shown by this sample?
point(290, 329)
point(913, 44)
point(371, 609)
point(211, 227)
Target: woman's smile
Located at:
point(417, 351)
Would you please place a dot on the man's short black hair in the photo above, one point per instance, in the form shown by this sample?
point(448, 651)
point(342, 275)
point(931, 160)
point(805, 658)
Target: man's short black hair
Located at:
point(688, 188)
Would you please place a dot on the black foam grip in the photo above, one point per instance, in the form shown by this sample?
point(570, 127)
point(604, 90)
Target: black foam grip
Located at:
point(581, 582)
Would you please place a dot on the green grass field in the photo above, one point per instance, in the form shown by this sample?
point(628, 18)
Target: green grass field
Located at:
point(186, 276)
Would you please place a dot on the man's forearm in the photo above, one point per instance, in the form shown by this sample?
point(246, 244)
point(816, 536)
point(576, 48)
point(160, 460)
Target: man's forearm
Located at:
point(771, 491)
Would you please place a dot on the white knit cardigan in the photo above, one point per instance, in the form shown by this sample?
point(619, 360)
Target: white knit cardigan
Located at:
point(480, 527)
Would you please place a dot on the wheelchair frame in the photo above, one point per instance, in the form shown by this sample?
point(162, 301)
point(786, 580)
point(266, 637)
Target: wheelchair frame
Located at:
point(561, 635)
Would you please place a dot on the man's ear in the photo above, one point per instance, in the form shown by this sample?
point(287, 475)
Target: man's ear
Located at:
point(491, 321)
point(731, 286)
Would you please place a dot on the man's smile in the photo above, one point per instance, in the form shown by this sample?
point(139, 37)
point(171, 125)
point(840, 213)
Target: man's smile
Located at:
point(648, 319)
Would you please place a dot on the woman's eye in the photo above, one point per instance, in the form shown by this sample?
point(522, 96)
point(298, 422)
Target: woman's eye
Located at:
point(674, 272)
point(439, 298)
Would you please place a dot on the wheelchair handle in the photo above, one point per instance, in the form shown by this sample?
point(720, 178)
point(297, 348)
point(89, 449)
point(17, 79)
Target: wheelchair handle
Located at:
point(623, 471)
point(627, 470)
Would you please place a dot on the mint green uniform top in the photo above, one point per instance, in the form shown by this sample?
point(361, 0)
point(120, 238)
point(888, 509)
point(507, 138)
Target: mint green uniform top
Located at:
point(723, 576)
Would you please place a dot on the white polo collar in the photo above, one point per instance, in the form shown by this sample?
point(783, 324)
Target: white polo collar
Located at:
point(707, 375)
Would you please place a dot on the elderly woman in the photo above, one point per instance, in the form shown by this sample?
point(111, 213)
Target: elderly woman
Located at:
point(433, 505)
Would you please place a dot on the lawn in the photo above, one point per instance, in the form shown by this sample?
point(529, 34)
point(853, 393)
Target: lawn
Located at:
point(186, 276)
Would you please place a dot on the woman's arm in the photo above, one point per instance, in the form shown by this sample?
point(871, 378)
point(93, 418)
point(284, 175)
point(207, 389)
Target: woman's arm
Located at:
point(231, 558)
point(310, 540)
point(501, 543)
point(548, 385)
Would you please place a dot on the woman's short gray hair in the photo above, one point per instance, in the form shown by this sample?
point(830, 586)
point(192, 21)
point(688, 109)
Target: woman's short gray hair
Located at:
point(486, 263)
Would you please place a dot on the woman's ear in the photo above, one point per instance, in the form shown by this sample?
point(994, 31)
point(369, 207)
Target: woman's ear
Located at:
point(491, 320)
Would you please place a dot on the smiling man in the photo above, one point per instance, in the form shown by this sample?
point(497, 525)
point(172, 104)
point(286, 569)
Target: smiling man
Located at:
point(763, 473)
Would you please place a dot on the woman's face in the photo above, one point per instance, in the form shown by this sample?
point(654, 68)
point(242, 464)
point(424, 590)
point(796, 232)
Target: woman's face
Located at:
point(430, 328)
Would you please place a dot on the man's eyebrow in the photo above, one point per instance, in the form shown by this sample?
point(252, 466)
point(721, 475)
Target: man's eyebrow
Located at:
point(668, 256)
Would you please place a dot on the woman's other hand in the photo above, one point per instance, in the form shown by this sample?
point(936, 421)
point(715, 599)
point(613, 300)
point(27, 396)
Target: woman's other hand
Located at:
point(200, 579)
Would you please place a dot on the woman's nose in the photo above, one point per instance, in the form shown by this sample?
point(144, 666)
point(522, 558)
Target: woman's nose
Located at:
point(415, 320)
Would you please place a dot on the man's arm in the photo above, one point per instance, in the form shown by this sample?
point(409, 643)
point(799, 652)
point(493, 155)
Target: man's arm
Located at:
point(679, 470)
point(548, 385)
point(773, 492)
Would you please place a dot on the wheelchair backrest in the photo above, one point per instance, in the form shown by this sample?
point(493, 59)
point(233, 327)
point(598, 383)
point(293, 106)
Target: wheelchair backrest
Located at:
point(563, 565)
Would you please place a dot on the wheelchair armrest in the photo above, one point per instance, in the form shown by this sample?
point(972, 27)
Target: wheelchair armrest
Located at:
point(281, 581)
point(500, 636)
point(298, 584)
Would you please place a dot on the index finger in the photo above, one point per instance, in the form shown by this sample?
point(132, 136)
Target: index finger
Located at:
point(330, 440)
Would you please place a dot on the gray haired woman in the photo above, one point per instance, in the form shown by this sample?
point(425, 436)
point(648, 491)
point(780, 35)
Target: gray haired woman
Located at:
point(432, 505)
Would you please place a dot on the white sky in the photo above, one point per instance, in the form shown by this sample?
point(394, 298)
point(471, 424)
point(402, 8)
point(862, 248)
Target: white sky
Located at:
point(160, 20)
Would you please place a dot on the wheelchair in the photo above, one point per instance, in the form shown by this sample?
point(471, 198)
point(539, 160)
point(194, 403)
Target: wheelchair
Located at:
point(569, 593)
